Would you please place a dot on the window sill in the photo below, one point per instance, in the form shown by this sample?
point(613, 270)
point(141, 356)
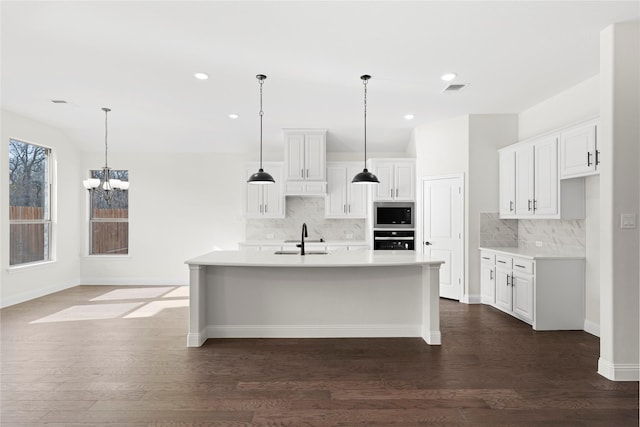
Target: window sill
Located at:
point(30, 266)
point(109, 257)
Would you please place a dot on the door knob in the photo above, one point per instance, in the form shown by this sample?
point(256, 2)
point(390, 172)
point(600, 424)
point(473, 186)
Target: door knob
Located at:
point(428, 243)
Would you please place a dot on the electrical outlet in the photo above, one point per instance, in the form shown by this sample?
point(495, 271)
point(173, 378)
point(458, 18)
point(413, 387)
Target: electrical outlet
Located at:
point(539, 243)
point(628, 220)
point(269, 235)
point(348, 236)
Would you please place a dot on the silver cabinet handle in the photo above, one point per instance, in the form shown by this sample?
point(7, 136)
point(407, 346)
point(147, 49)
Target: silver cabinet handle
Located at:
point(490, 274)
point(588, 158)
point(529, 205)
point(513, 281)
point(535, 205)
point(349, 207)
point(392, 192)
point(307, 173)
point(521, 266)
point(266, 208)
point(503, 262)
point(508, 284)
point(301, 173)
point(486, 257)
point(510, 205)
point(260, 207)
point(597, 157)
point(344, 208)
point(396, 192)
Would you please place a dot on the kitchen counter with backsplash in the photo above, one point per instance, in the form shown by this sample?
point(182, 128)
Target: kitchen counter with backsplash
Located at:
point(315, 244)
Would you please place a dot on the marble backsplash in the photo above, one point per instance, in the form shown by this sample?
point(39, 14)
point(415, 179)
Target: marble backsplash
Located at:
point(496, 232)
point(555, 234)
point(309, 210)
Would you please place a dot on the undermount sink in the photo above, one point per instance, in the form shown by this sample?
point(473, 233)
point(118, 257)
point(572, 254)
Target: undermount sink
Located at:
point(298, 253)
point(306, 241)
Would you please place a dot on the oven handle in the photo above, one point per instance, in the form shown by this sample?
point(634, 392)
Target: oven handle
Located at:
point(393, 238)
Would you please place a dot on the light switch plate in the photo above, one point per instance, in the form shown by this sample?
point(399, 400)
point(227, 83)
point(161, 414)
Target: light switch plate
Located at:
point(538, 243)
point(628, 221)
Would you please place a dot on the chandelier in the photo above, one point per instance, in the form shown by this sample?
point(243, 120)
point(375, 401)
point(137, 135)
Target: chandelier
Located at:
point(105, 185)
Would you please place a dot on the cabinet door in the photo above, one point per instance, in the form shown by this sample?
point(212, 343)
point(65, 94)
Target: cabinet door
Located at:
point(546, 177)
point(253, 195)
point(523, 296)
point(488, 283)
point(385, 190)
point(272, 196)
point(356, 195)
point(335, 202)
point(577, 151)
point(314, 157)
point(294, 156)
point(404, 180)
point(507, 170)
point(503, 290)
point(524, 180)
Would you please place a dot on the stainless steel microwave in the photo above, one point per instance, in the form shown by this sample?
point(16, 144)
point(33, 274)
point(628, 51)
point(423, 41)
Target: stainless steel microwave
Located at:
point(393, 215)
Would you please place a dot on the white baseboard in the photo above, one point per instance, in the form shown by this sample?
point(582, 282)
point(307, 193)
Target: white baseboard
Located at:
point(619, 371)
point(432, 338)
point(36, 293)
point(196, 339)
point(127, 281)
point(471, 299)
point(312, 331)
point(592, 327)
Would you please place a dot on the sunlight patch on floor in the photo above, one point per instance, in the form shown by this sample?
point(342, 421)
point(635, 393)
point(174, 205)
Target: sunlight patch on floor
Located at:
point(133, 293)
point(179, 292)
point(156, 307)
point(90, 312)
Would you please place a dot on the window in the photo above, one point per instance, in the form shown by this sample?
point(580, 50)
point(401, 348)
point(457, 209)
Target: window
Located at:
point(109, 220)
point(29, 203)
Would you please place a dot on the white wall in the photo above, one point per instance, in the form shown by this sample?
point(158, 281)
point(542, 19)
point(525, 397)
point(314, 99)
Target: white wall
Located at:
point(578, 103)
point(620, 194)
point(180, 205)
point(23, 283)
point(487, 133)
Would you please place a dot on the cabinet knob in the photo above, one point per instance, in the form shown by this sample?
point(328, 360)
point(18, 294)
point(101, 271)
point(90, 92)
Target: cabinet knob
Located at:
point(428, 243)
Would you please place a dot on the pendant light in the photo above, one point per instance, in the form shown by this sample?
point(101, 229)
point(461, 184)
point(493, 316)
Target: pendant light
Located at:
point(365, 177)
point(105, 185)
point(261, 177)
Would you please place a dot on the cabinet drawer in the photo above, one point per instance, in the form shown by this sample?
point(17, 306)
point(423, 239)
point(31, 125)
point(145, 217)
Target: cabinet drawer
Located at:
point(523, 265)
point(488, 257)
point(504, 261)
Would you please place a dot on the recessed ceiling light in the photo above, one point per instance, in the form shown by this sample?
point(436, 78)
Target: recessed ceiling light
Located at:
point(449, 76)
point(409, 116)
point(233, 116)
point(201, 76)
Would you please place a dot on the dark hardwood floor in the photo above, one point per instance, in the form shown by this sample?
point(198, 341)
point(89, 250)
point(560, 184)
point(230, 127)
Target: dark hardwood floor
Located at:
point(117, 356)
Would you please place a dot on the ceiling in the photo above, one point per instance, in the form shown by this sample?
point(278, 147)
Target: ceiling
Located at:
point(139, 58)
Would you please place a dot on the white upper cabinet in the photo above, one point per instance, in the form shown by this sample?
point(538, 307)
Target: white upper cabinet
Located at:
point(530, 186)
point(305, 161)
point(507, 195)
point(579, 155)
point(344, 199)
point(397, 179)
point(264, 200)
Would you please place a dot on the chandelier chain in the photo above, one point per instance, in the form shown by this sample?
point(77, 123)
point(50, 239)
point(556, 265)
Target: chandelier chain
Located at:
point(364, 82)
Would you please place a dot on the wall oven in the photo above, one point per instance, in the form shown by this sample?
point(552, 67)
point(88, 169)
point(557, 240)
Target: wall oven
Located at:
point(393, 240)
point(393, 215)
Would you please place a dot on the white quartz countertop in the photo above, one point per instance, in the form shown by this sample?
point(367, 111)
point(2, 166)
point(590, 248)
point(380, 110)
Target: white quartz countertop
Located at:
point(307, 242)
point(537, 253)
point(337, 259)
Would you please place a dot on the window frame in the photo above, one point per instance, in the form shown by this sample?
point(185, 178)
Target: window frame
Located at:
point(48, 210)
point(91, 221)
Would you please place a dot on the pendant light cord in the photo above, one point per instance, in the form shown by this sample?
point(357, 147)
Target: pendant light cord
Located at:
point(261, 114)
point(106, 110)
point(364, 81)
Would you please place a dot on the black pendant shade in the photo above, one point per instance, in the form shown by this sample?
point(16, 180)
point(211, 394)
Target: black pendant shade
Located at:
point(261, 177)
point(365, 177)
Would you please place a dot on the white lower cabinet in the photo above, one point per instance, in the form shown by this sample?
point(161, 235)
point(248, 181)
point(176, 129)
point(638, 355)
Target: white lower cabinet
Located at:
point(545, 292)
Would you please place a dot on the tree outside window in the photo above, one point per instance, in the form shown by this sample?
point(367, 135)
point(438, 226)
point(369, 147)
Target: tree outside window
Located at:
point(109, 220)
point(29, 203)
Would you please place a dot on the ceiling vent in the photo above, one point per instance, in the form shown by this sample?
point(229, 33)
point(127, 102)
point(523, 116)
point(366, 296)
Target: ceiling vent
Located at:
point(454, 88)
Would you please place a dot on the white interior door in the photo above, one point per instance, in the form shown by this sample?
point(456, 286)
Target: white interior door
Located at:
point(442, 230)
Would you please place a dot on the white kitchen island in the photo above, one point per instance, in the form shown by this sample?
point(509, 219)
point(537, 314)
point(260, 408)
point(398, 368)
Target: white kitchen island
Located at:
point(246, 294)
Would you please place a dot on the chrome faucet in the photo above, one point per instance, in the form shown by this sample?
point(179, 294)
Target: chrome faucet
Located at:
point(304, 234)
